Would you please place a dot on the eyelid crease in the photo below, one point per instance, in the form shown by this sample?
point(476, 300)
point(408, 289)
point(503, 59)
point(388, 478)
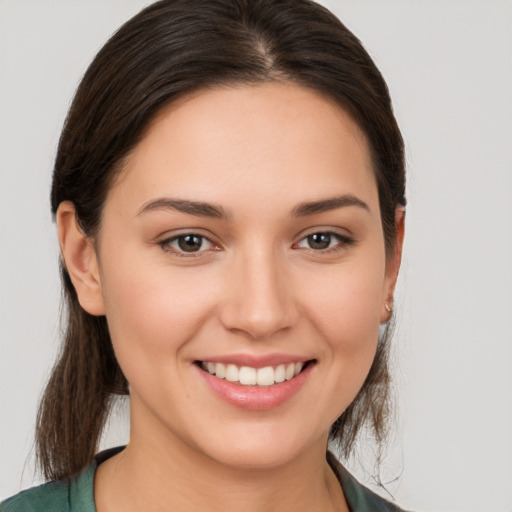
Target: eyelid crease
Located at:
point(165, 242)
point(343, 242)
point(344, 233)
point(165, 245)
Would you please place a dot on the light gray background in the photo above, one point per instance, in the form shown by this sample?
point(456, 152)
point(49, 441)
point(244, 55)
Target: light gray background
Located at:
point(449, 67)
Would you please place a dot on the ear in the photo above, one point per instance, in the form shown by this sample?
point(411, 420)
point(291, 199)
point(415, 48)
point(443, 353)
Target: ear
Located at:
point(393, 265)
point(79, 256)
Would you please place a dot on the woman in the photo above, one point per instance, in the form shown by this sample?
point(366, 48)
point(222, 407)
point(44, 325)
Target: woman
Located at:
point(229, 197)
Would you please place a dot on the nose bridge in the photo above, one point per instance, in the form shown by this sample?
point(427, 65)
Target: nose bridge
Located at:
point(259, 301)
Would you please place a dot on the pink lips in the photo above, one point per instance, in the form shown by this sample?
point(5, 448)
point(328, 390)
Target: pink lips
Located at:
point(256, 398)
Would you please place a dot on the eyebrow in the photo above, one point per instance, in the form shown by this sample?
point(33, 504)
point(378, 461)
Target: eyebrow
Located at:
point(325, 205)
point(202, 209)
point(196, 208)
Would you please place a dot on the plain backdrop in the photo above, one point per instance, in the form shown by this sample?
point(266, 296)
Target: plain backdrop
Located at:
point(448, 64)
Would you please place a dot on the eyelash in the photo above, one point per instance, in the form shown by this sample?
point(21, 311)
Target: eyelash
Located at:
point(342, 241)
point(167, 247)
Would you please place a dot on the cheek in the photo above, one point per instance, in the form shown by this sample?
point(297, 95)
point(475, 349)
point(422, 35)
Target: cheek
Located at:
point(346, 306)
point(153, 310)
point(344, 320)
point(345, 313)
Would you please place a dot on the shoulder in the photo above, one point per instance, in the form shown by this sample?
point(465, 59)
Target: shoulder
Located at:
point(75, 495)
point(51, 497)
point(359, 497)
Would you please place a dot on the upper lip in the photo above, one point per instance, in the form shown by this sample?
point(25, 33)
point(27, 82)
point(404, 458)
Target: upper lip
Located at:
point(256, 361)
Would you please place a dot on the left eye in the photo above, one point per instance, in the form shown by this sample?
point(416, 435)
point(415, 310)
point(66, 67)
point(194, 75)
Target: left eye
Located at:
point(322, 241)
point(187, 243)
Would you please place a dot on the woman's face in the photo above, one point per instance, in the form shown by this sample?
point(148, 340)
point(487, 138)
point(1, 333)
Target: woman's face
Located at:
point(244, 238)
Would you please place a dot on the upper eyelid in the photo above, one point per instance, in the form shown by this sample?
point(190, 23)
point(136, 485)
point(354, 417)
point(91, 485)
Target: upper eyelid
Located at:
point(342, 233)
point(337, 232)
point(325, 232)
point(166, 245)
point(166, 241)
point(342, 242)
point(333, 234)
point(172, 235)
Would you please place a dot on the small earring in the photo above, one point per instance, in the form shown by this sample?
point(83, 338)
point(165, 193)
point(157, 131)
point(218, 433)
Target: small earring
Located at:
point(388, 307)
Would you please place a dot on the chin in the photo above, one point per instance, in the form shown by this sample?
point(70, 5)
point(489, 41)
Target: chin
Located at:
point(261, 447)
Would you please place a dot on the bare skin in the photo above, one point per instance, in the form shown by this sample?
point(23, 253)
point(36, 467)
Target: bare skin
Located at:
point(213, 487)
point(244, 227)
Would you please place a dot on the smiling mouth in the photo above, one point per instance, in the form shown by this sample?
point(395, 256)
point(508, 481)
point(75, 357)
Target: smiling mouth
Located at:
point(249, 376)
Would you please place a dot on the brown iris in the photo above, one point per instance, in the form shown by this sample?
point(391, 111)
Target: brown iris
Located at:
point(319, 240)
point(190, 243)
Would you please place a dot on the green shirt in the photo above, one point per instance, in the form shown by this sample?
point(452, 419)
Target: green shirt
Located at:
point(77, 495)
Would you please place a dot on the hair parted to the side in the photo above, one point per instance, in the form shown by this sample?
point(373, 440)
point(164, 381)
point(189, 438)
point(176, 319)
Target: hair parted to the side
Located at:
point(168, 50)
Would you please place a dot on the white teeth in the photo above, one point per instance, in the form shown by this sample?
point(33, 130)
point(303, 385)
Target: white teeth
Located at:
point(265, 376)
point(220, 370)
point(232, 373)
point(290, 370)
point(280, 374)
point(248, 376)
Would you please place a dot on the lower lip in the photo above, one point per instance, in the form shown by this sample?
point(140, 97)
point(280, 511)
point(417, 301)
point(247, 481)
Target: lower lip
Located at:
point(256, 398)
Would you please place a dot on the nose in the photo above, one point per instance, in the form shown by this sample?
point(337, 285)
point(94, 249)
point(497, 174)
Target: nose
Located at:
point(258, 296)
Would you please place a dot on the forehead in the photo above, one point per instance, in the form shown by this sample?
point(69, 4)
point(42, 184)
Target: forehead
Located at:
point(273, 142)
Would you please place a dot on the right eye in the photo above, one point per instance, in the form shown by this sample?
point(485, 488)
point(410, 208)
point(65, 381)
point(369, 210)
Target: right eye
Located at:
point(187, 244)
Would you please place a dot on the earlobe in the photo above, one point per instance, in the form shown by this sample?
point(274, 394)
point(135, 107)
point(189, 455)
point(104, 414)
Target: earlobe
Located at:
point(393, 264)
point(80, 259)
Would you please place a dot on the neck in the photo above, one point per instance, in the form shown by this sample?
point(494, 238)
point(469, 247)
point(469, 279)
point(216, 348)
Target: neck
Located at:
point(161, 474)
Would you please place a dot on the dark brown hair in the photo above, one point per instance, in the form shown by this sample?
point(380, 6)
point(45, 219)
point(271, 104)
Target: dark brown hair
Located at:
point(168, 50)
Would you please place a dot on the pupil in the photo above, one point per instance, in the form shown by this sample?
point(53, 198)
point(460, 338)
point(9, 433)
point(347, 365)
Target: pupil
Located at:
point(319, 240)
point(190, 243)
